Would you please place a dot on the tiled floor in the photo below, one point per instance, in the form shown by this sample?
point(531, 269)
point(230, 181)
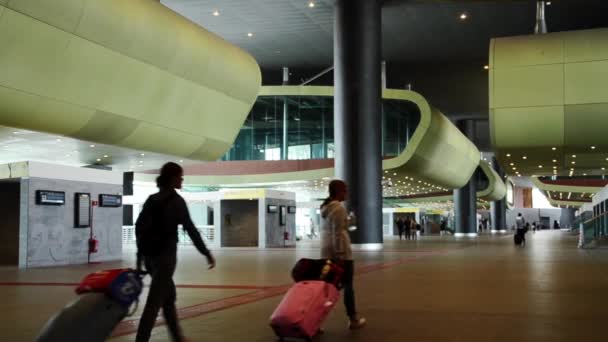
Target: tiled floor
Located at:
point(436, 289)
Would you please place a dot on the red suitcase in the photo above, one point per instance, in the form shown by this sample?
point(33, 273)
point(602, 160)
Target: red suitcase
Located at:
point(303, 309)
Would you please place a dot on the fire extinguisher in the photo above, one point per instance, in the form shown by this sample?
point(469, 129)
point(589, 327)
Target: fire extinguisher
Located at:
point(93, 244)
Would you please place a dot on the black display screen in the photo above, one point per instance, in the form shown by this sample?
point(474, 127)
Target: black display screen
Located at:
point(48, 197)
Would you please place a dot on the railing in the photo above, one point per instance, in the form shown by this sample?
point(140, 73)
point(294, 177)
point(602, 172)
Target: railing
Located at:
point(594, 231)
point(207, 232)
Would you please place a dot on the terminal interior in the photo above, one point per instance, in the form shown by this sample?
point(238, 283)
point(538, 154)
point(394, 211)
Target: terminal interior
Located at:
point(453, 116)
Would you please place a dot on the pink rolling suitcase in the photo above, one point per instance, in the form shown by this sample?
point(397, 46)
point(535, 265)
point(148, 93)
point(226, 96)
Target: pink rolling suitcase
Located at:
point(303, 309)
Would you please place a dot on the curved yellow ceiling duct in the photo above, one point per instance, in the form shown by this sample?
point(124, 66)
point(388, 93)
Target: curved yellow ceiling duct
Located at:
point(125, 73)
point(437, 153)
point(548, 102)
point(496, 189)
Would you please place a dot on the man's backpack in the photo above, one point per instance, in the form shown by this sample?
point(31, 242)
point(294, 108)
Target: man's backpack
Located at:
point(151, 230)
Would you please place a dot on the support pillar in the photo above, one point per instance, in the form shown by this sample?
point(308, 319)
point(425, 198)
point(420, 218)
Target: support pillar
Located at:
point(465, 198)
point(357, 114)
point(498, 209)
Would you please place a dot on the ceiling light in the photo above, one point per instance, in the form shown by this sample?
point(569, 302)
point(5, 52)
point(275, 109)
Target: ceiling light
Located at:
point(514, 168)
point(555, 167)
point(574, 156)
point(524, 157)
point(573, 162)
point(553, 148)
point(584, 174)
point(512, 164)
point(98, 159)
point(463, 16)
point(555, 160)
point(508, 155)
point(548, 3)
point(593, 147)
point(311, 4)
point(540, 166)
point(486, 67)
point(216, 13)
point(91, 145)
point(603, 168)
point(249, 34)
point(572, 169)
point(105, 156)
point(143, 154)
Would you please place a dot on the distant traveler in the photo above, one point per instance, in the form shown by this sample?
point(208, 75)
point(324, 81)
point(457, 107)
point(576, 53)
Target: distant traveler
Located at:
point(533, 227)
point(156, 232)
point(335, 245)
point(520, 223)
point(400, 227)
point(408, 228)
point(414, 228)
point(555, 224)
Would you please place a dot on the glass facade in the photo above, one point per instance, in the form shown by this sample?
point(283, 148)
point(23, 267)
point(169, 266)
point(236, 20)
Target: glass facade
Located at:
point(302, 127)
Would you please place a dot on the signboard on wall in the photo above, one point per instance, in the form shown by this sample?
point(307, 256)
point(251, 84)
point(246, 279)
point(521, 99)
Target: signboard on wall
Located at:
point(48, 197)
point(107, 200)
point(82, 210)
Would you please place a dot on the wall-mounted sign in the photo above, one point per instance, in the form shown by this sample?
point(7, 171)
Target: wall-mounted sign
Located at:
point(291, 210)
point(82, 210)
point(48, 197)
point(107, 200)
point(272, 208)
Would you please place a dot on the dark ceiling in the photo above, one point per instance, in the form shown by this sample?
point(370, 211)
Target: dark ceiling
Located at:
point(290, 33)
point(425, 44)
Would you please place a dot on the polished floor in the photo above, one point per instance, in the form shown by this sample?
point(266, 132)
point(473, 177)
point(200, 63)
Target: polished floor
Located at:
point(435, 289)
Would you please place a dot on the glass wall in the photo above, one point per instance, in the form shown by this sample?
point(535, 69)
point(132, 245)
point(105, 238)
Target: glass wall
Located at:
point(301, 127)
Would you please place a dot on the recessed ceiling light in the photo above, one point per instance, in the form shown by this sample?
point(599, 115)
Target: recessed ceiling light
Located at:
point(249, 34)
point(311, 4)
point(512, 164)
point(463, 16)
point(573, 162)
point(593, 147)
point(548, 3)
point(486, 67)
point(574, 156)
point(98, 159)
point(572, 169)
point(508, 155)
point(584, 174)
point(514, 168)
point(91, 145)
point(216, 13)
point(143, 154)
point(603, 168)
point(105, 156)
point(524, 157)
point(540, 166)
point(553, 148)
point(555, 160)
point(555, 167)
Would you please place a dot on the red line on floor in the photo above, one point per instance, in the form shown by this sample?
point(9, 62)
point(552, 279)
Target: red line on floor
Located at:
point(128, 327)
point(180, 286)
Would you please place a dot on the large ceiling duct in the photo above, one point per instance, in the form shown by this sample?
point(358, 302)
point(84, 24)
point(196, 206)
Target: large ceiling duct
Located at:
point(541, 22)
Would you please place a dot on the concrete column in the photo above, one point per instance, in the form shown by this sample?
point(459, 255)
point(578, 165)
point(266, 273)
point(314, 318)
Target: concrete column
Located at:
point(357, 114)
point(498, 209)
point(465, 198)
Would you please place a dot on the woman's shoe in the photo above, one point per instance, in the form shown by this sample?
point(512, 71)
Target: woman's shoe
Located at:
point(357, 323)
